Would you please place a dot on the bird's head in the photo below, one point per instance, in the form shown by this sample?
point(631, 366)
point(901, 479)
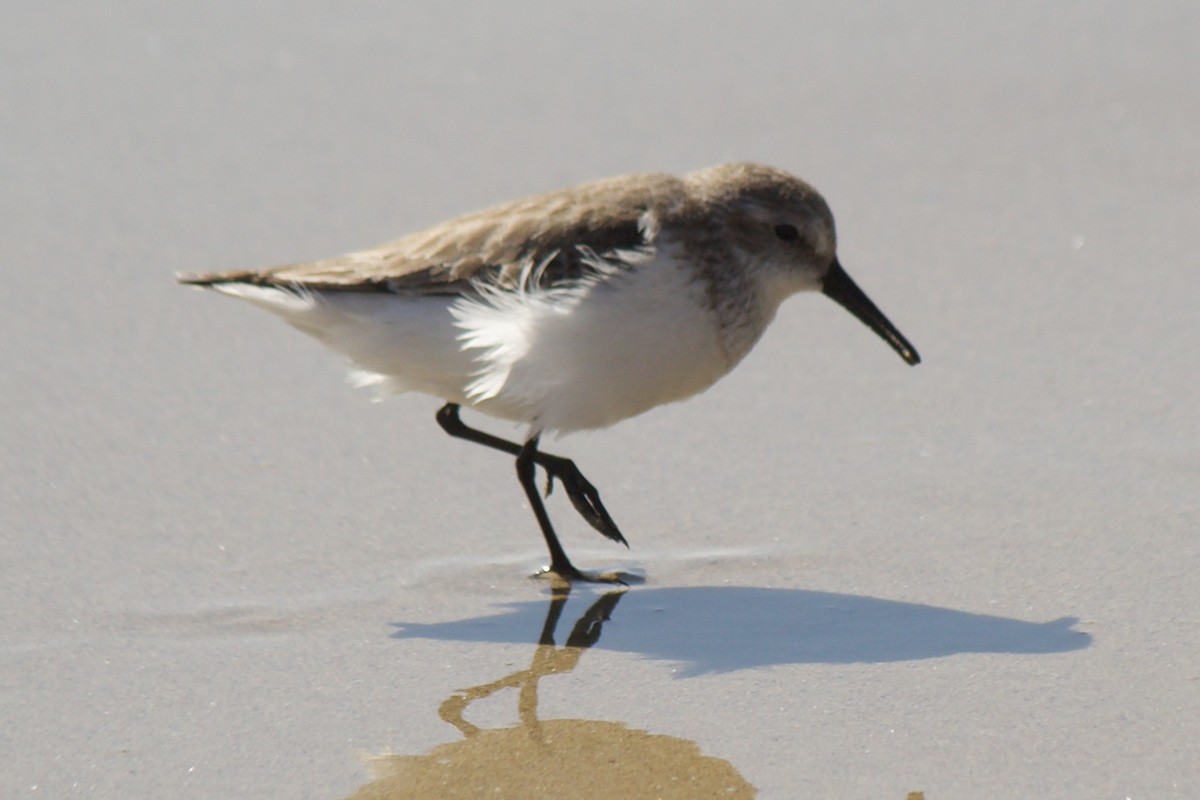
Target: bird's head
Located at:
point(785, 231)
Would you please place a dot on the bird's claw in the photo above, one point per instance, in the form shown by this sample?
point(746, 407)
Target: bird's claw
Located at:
point(583, 496)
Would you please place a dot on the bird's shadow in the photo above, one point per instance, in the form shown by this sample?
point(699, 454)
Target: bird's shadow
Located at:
point(722, 629)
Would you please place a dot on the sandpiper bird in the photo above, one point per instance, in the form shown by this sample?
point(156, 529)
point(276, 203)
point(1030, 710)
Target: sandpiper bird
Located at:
point(571, 310)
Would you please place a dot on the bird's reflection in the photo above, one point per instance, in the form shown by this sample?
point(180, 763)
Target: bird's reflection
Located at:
point(547, 660)
point(558, 757)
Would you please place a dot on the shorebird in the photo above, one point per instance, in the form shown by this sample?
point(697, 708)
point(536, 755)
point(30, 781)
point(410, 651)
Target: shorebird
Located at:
point(571, 310)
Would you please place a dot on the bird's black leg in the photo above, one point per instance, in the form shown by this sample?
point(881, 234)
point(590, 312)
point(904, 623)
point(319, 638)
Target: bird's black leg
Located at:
point(559, 563)
point(583, 494)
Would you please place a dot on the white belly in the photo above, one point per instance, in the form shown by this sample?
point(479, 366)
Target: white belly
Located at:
point(591, 356)
point(560, 360)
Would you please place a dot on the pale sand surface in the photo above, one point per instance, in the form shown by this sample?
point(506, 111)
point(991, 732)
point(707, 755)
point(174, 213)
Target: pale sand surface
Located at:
point(226, 574)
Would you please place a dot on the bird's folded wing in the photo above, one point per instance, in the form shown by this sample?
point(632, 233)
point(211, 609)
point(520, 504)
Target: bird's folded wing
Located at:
point(554, 233)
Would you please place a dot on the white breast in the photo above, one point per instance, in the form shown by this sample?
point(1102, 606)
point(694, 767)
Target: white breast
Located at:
point(632, 337)
point(591, 355)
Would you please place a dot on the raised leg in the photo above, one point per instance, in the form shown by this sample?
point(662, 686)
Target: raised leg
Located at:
point(579, 489)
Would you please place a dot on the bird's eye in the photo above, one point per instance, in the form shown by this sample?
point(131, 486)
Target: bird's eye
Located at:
point(787, 232)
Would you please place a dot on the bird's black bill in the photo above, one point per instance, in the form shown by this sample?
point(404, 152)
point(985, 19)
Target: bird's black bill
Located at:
point(839, 287)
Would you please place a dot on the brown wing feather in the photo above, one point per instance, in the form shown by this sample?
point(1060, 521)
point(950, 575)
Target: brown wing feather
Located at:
point(550, 228)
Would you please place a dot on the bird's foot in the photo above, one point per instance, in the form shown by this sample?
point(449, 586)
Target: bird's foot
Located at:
point(567, 574)
point(583, 494)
